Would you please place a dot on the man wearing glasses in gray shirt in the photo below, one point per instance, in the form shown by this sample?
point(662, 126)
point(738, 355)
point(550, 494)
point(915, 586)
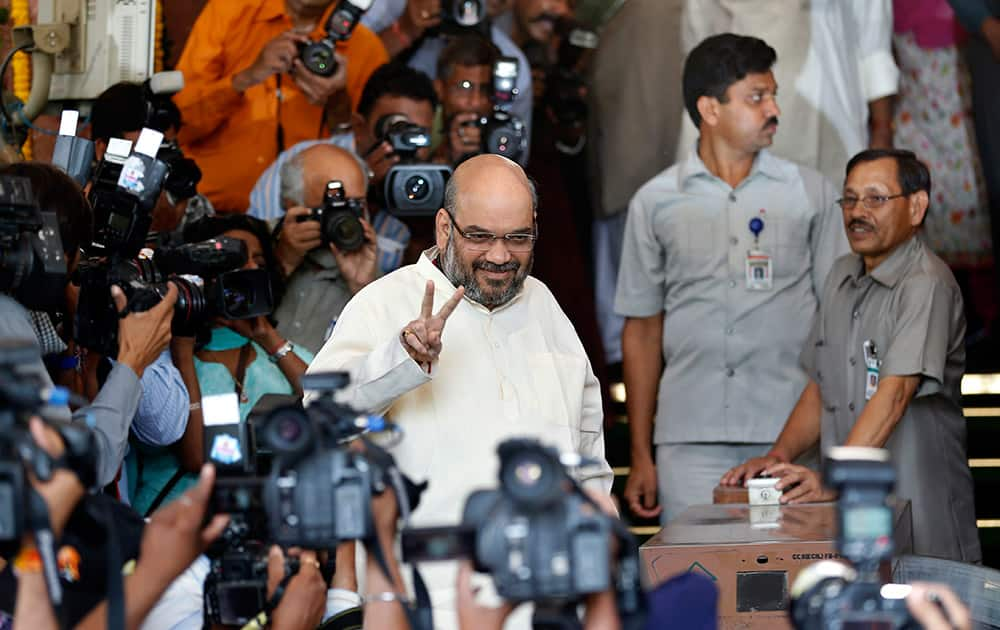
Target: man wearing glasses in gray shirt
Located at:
point(724, 259)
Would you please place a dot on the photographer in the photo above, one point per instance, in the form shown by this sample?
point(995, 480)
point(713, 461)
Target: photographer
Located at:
point(122, 111)
point(394, 89)
point(248, 95)
point(245, 356)
point(464, 85)
point(322, 277)
point(142, 335)
point(162, 410)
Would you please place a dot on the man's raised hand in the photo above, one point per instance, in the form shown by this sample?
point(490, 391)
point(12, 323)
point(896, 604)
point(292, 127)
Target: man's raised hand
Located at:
point(422, 337)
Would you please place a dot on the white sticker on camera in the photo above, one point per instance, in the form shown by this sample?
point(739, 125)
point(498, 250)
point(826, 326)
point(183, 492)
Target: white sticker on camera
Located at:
point(220, 409)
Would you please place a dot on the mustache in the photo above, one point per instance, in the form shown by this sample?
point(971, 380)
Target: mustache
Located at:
point(771, 122)
point(485, 265)
point(552, 18)
point(860, 223)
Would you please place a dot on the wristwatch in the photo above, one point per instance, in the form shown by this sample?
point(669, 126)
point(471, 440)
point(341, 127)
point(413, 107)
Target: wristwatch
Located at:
point(281, 352)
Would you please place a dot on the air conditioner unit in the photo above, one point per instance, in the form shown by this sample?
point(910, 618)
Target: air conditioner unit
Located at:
point(110, 41)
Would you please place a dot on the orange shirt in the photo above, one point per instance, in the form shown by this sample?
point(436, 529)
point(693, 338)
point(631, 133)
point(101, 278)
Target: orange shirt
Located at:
point(232, 136)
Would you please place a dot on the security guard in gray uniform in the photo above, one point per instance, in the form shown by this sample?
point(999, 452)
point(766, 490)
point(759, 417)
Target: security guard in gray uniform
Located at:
point(885, 359)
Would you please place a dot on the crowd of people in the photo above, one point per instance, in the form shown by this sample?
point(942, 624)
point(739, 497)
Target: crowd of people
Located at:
point(776, 275)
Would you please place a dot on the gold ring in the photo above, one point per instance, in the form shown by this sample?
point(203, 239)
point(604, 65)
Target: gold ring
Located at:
point(407, 331)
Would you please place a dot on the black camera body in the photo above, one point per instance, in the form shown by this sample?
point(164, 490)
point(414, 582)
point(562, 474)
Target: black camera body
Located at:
point(32, 262)
point(339, 218)
point(209, 284)
point(504, 133)
point(410, 188)
point(183, 173)
point(21, 396)
point(318, 56)
point(829, 594)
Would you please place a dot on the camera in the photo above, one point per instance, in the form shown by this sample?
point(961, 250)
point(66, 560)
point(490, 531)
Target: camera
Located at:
point(410, 188)
point(125, 189)
point(829, 594)
point(504, 133)
point(32, 262)
point(22, 395)
point(318, 56)
point(339, 218)
point(461, 16)
point(183, 173)
point(539, 535)
point(209, 279)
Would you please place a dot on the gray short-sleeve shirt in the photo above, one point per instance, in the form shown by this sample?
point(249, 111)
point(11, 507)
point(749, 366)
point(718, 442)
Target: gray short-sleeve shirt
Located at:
point(910, 309)
point(731, 354)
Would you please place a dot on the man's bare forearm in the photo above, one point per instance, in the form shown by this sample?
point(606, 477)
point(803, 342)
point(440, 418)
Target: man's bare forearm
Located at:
point(883, 412)
point(642, 363)
point(802, 430)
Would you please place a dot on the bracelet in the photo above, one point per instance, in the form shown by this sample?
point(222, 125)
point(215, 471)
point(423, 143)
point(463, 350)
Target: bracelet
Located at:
point(281, 352)
point(28, 560)
point(387, 596)
point(195, 406)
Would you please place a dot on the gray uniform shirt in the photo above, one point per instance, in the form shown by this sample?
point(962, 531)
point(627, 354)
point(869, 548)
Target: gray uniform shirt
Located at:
point(731, 354)
point(910, 307)
point(112, 409)
point(315, 295)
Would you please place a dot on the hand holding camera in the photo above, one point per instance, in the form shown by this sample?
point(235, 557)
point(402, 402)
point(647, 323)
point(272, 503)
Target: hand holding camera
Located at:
point(316, 87)
point(419, 16)
point(465, 136)
point(422, 337)
point(142, 336)
point(297, 238)
point(275, 58)
point(63, 490)
point(358, 266)
point(304, 599)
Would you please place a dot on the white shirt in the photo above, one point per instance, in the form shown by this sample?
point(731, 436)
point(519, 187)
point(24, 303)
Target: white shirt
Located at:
point(518, 370)
point(834, 57)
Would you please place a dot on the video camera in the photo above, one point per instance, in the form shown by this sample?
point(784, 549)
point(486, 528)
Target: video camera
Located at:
point(318, 56)
point(339, 218)
point(210, 284)
point(411, 188)
point(23, 395)
point(32, 262)
point(504, 133)
point(317, 493)
point(829, 594)
point(540, 537)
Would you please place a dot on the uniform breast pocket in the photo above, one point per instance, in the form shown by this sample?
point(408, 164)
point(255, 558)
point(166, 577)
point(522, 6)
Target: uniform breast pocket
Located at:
point(692, 245)
point(791, 256)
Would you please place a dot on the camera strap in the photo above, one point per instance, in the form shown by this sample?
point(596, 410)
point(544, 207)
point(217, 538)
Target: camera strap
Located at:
point(45, 542)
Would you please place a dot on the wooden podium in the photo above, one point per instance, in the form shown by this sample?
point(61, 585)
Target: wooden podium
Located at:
point(752, 553)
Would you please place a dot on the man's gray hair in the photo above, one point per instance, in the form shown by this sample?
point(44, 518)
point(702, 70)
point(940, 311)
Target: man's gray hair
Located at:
point(451, 196)
point(292, 177)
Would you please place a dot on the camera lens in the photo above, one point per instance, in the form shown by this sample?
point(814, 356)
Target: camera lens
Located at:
point(287, 431)
point(235, 301)
point(417, 188)
point(528, 478)
point(344, 230)
point(318, 59)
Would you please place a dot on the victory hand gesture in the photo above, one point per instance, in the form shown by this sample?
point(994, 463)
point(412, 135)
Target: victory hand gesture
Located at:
point(422, 337)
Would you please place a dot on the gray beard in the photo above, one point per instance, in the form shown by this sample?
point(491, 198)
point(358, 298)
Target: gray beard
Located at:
point(491, 297)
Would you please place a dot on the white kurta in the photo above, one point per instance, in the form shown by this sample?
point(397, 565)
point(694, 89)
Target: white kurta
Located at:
point(518, 370)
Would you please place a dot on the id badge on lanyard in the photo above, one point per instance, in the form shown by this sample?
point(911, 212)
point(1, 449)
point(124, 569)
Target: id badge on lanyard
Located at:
point(759, 271)
point(872, 365)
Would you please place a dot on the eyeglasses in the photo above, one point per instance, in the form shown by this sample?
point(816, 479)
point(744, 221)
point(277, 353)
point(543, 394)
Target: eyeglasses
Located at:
point(870, 202)
point(516, 242)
